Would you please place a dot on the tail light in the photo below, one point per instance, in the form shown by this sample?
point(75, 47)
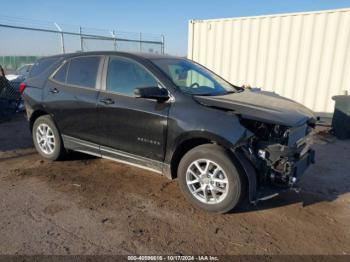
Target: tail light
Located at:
point(22, 86)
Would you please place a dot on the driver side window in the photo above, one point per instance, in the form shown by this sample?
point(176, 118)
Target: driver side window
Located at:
point(124, 75)
point(189, 78)
point(195, 77)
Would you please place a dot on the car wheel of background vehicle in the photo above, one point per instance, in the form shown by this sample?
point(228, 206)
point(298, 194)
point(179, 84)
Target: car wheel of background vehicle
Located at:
point(47, 139)
point(209, 179)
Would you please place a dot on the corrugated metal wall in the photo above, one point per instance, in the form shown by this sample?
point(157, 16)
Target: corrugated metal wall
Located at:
point(303, 56)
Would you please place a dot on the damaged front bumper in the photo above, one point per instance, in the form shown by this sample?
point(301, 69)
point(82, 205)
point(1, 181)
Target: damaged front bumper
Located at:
point(273, 168)
point(298, 167)
point(302, 164)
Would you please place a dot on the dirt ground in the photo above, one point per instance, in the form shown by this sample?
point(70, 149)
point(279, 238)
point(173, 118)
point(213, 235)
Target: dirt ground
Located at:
point(87, 205)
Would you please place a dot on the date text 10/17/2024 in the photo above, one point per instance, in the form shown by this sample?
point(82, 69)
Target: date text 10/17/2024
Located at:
point(173, 258)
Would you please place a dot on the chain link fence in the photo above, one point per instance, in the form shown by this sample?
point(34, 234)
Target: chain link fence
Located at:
point(118, 40)
point(25, 38)
point(23, 41)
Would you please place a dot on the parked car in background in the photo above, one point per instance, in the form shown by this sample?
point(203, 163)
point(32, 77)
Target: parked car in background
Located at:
point(20, 74)
point(174, 117)
point(10, 97)
point(15, 80)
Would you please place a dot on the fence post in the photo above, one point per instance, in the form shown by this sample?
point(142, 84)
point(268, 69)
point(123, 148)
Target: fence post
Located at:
point(140, 42)
point(62, 37)
point(81, 39)
point(114, 40)
point(162, 48)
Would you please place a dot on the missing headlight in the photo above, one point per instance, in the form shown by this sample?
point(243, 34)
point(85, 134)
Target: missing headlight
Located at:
point(266, 132)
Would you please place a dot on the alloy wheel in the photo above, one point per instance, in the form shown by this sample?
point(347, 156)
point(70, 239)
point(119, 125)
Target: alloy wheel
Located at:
point(45, 139)
point(207, 181)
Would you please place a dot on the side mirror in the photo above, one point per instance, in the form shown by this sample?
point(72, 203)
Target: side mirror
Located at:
point(154, 92)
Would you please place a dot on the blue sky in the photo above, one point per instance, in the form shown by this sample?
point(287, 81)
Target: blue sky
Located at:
point(154, 16)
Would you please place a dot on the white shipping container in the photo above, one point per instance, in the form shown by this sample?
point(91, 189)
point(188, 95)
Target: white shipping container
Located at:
point(302, 56)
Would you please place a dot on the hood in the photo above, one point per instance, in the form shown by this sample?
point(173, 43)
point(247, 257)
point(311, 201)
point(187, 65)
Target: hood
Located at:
point(262, 106)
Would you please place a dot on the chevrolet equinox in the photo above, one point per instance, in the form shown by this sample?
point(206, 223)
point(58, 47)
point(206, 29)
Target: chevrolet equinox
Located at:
point(174, 117)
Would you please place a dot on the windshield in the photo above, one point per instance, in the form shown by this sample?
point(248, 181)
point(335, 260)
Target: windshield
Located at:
point(192, 78)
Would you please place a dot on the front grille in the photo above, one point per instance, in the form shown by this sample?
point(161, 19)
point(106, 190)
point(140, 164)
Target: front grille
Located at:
point(296, 135)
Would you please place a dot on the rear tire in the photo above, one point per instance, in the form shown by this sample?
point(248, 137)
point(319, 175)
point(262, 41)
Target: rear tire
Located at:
point(209, 179)
point(47, 138)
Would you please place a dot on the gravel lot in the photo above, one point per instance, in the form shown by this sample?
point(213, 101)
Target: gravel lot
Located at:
point(86, 205)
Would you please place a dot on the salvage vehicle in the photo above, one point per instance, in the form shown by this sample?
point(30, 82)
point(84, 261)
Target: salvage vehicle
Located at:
point(172, 116)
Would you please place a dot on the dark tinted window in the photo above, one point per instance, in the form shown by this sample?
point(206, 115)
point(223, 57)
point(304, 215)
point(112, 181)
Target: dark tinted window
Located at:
point(41, 65)
point(124, 76)
point(82, 71)
point(61, 74)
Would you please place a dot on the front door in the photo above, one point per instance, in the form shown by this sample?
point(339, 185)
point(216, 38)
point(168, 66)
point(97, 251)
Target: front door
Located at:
point(128, 124)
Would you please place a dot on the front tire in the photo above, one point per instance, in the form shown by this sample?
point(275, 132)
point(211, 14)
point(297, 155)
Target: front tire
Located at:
point(47, 139)
point(209, 179)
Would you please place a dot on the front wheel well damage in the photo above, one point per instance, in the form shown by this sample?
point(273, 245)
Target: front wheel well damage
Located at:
point(245, 167)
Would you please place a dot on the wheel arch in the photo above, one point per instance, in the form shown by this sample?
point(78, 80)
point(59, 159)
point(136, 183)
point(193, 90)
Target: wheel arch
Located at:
point(189, 141)
point(34, 116)
point(244, 166)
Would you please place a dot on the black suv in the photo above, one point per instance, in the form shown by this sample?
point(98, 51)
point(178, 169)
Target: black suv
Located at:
point(172, 116)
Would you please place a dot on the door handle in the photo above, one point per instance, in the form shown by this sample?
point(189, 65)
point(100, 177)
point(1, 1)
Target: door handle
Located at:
point(54, 91)
point(107, 101)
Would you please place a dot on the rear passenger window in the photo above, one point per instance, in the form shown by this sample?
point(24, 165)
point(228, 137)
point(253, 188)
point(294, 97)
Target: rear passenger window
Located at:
point(61, 74)
point(82, 71)
point(124, 75)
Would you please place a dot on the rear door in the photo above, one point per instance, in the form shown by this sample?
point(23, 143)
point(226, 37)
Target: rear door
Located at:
point(71, 94)
point(133, 125)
